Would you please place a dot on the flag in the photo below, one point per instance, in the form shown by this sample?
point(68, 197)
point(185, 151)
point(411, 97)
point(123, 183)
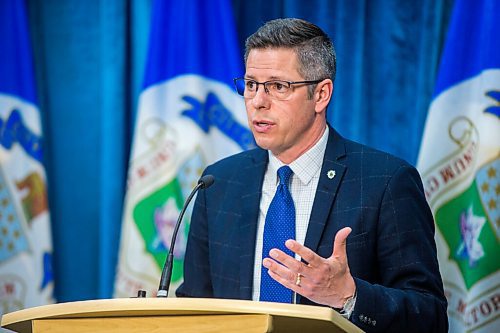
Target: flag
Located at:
point(189, 116)
point(460, 164)
point(26, 278)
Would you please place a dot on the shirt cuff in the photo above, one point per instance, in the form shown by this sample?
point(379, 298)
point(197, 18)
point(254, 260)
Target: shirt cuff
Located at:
point(348, 307)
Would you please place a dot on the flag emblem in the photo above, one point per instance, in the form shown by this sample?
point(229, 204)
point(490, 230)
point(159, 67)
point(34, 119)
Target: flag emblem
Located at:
point(155, 217)
point(13, 238)
point(467, 223)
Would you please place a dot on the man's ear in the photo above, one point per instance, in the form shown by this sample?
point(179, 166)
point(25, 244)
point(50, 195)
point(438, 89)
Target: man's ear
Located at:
point(323, 94)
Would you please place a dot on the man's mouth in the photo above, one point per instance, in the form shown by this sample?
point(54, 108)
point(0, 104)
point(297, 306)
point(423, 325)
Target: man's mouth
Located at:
point(262, 125)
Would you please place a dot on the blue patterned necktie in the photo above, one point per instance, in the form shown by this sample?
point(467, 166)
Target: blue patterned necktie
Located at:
point(279, 226)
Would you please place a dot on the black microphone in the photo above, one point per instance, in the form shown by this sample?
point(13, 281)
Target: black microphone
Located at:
point(166, 274)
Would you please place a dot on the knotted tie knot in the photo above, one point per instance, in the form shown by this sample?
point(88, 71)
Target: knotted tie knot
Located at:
point(284, 174)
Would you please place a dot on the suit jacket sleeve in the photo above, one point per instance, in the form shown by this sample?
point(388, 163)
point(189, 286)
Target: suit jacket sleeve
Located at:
point(406, 293)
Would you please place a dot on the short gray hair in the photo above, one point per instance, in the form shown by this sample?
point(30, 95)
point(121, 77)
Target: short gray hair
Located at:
point(314, 49)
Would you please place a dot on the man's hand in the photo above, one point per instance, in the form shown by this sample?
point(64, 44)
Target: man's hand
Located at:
point(325, 281)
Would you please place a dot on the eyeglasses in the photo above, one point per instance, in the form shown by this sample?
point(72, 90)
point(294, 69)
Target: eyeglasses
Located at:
point(277, 89)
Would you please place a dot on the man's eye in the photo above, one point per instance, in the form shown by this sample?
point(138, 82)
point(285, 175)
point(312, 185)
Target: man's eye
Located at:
point(250, 85)
point(279, 86)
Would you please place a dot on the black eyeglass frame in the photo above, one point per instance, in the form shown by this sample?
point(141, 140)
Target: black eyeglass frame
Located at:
point(290, 83)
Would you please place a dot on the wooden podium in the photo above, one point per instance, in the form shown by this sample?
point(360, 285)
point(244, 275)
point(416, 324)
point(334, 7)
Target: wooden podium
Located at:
point(176, 315)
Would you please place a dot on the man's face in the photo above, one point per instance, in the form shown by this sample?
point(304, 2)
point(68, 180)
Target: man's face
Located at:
point(287, 128)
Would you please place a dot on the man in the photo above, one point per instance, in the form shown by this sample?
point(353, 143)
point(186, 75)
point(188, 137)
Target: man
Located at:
point(362, 235)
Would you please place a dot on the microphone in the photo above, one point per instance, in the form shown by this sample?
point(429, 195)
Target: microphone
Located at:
point(166, 274)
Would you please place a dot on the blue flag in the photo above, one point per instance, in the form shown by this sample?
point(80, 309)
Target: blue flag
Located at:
point(460, 164)
point(25, 242)
point(189, 116)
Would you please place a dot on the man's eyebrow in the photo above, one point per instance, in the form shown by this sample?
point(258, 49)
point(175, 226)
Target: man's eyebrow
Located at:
point(271, 78)
point(276, 78)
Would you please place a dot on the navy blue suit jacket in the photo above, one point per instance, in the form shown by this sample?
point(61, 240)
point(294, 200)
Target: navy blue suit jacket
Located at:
point(391, 249)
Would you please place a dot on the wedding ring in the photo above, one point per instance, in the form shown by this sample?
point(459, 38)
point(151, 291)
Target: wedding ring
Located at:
point(297, 281)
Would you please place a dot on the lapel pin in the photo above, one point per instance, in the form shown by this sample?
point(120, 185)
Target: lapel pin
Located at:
point(331, 174)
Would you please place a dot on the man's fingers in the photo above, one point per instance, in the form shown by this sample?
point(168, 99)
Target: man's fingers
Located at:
point(305, 253)
point(339, 245)
point(284, 281)
point(289, 262)
point(278, 269)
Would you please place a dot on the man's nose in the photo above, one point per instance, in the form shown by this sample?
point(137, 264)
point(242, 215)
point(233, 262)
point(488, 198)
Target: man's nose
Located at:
point(261, 98)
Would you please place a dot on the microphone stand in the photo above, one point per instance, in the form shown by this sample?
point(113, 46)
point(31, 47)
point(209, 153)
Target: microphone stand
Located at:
point(166, 274)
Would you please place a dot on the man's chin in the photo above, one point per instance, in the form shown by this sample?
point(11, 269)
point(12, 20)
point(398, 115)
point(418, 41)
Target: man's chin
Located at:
point(263, 143)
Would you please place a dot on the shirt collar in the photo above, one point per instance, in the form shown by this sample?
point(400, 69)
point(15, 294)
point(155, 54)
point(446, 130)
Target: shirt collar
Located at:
point(307, 165)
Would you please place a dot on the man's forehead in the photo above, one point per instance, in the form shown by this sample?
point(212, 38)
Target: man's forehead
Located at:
point(271, 63)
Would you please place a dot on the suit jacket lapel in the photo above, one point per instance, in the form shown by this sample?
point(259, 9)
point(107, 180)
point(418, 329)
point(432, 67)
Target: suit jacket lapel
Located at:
point(250, 196)
point(331, 175)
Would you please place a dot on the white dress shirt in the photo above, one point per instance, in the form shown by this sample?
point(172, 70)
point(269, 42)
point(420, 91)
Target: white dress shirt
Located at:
point(304, 181)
